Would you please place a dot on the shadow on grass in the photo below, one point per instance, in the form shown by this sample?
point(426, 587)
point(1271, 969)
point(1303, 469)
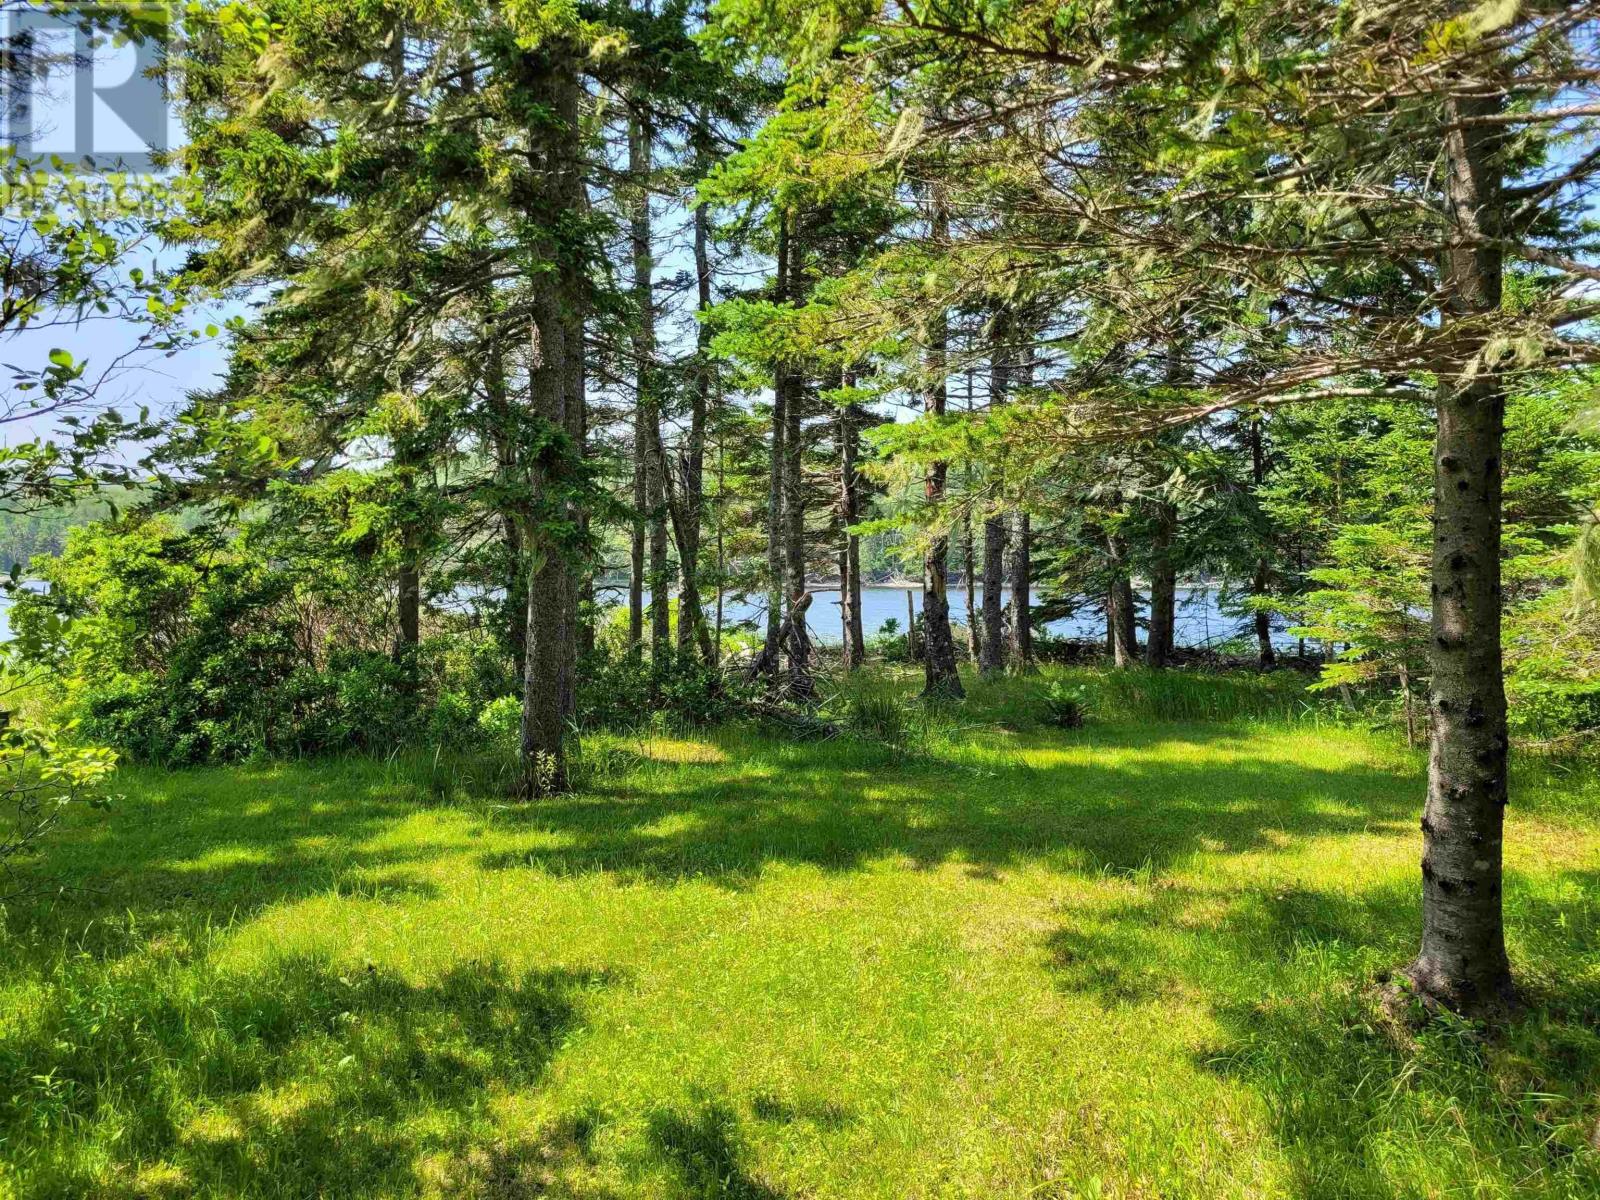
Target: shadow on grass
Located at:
point(705, 1151)
point(1289, 976)
point(206, 846)
point(209, 846)
point(839, 806)
point(303, 1080)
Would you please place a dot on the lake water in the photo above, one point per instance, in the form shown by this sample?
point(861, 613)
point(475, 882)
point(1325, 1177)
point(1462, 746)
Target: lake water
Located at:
point(1200, 620)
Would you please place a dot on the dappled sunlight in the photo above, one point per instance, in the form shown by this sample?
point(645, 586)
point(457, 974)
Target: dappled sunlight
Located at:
point(738, 962)
point(673, 750)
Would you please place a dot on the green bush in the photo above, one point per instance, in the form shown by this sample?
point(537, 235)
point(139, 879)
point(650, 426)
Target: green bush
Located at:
point(1543, 710)
point(891, 643)
point(1066, 706)
point(625, 691)
point(181, 648)
point(500, 721)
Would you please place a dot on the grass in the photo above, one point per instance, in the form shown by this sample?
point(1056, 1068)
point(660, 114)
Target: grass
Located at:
point(991, 959)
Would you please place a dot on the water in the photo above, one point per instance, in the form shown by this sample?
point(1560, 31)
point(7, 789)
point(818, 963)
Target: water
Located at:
point(1200, 620)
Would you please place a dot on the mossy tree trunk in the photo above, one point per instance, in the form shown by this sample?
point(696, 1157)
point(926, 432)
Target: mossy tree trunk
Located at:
point(555, 394)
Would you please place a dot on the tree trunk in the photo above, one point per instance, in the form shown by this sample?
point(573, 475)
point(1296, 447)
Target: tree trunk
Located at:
point(636, 545)
point(722, 553)
point(408, 581)
point(648, 404)
point(1020, 565)
point(1266, 656)
point(775, 475)
point(1163, 588)
point(993, 647)
point(691, 616)
point(503, 433)
point(1121, 615)
point(583, 607)
point(912, 650)
point(855, 650)
point(410, 603)
point(795, 563)
point(1462, 962)
point(969, 553)
point(1021, 570)
point(938, 644)
point(555, 367)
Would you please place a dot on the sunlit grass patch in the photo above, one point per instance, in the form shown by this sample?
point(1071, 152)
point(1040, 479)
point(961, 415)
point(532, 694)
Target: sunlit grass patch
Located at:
point(1131, 959)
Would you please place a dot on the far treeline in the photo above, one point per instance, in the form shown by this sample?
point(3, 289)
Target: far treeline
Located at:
point(1074, 302)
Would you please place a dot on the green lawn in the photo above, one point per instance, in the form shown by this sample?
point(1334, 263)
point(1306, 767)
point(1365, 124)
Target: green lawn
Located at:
point(1134, 959)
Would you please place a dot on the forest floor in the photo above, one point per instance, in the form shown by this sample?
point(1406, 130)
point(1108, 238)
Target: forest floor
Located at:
point(1133, 959)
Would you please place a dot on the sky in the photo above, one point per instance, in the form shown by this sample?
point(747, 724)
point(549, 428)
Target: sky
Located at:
point(108, 109)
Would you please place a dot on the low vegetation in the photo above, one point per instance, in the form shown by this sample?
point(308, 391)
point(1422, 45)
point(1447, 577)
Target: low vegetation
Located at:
point(941, 953)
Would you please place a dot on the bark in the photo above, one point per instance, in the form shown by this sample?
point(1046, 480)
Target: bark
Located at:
point(794, 503)
point(410, 604)
point(575, 425)
point(636, 545)
point(969, 551)
point(1163, 588)
point(913, 647)
point(1020, 564)
point(938, 651)
point(722, 553)
point(775, 489)
point(691, 491)
point(855, 647)
point(794, 500)
point(797, 645)
point(1266, 656)
point(1122, 618)
point(993, 647)
point(1021, 571)
point(650, 466)
point(555, 375)
point(408, 462)
point(1462, 962)
point(583, 604)
point(503, 435)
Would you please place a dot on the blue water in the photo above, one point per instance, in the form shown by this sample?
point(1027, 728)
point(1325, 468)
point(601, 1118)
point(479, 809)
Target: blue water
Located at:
point(1200, 622)
point(1200, 619)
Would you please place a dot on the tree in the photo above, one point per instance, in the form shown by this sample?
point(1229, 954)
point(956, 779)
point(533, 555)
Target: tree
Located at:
point(1374, 176)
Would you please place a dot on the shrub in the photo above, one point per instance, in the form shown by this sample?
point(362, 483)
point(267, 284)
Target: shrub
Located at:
point(182, 648)
point(625, 691)
point(890, 643)
point(500, 721)
point(1543, 710)
point(1065, 705)
point(452, 721)
point(41, 775)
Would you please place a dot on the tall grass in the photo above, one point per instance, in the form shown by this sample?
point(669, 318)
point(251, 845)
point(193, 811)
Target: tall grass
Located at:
point(1192, 696)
